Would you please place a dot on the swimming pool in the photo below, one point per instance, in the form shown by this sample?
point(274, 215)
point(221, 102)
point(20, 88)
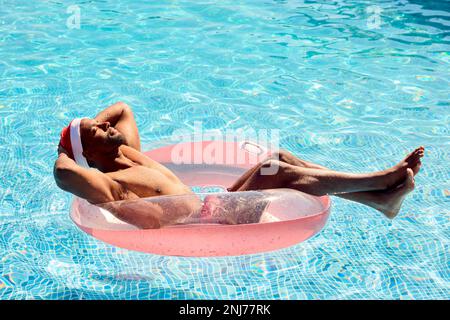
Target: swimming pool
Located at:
point(350, 85)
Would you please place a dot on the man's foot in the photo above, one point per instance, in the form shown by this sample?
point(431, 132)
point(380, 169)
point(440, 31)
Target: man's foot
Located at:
point(412, 160)
point(395, 176)
point(390, 201)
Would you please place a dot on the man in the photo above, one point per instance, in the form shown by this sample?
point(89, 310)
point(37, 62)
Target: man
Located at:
point(110, 142)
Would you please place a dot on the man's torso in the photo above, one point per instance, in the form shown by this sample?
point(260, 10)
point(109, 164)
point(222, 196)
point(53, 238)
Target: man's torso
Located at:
point(146, 177)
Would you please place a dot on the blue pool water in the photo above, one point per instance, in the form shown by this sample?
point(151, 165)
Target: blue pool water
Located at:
point(350, 86)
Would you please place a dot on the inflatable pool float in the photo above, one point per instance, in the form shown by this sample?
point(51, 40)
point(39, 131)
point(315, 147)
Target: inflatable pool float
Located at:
point(212, 165)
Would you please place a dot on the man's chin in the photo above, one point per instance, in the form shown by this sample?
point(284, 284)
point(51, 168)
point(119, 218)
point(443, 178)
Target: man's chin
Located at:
point(118, 140)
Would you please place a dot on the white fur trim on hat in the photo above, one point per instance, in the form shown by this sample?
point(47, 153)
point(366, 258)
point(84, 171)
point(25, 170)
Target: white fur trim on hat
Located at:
point(75, 140)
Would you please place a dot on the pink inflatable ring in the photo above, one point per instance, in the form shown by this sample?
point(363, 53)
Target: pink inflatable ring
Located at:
point(296, 216)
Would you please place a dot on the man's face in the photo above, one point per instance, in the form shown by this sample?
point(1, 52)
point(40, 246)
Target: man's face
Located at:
point(99, 137)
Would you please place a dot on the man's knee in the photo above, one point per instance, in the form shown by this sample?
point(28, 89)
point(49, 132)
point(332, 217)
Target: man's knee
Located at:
point(283, 155)
point(272, 167)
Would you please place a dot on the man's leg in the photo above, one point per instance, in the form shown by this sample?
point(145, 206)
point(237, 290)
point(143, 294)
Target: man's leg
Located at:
point(283, 156)
point(411, 161)
point(319, 182)
point(386, 201)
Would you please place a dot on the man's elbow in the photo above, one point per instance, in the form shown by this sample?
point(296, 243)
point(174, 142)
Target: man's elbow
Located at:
point(125, 107)
point(61, 174)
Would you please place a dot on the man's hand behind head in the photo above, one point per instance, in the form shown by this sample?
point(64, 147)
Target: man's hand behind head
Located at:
point(62, 150)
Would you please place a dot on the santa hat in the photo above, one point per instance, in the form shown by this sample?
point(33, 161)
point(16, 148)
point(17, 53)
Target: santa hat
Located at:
point(71, 141)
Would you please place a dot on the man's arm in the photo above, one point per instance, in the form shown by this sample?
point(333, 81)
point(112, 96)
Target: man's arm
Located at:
point(154, 212)
point(120, 116)
point(98, 188)
point(140, 213)
point(90, 184)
